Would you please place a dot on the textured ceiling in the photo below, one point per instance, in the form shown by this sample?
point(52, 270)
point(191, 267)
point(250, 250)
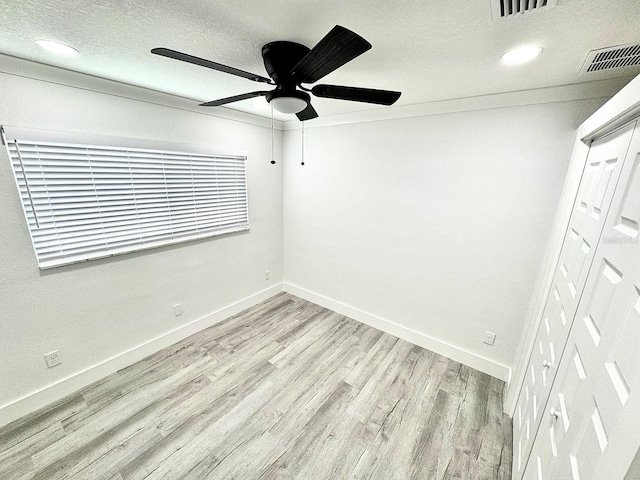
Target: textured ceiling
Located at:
point(428, 49)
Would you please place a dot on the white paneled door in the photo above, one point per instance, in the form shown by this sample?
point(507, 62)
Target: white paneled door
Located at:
point(599, 180)
point(590, 429)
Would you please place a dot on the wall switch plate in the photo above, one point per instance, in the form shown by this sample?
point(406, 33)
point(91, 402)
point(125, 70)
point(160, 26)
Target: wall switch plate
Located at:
point(177, 309)
point(489, 338)
point(52, 358)
point(267, 274)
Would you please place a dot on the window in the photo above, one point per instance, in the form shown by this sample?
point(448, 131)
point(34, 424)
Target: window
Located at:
point(84, 202)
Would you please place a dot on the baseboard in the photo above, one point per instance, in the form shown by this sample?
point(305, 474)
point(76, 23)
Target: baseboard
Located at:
point(440, 347)
point(66, 386)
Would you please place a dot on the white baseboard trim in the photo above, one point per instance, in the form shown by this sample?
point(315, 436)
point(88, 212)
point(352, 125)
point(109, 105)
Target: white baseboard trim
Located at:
point(62, 388)
point(440, 347)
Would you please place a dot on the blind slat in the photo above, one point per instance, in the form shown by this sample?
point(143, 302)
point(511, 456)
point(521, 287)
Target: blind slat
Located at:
point(97, 201)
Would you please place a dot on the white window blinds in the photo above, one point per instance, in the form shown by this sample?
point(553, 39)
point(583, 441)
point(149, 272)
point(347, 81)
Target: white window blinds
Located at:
point(84, 202)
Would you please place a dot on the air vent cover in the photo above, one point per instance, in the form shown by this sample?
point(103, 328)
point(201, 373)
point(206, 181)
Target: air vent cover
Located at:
point(501, 9)
point(621, 56)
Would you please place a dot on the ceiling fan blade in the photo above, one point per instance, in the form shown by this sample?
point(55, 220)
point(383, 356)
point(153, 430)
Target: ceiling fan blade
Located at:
point(355, 94)
point(184, 57)
point(338, 47)
point(236, 98)
point(307, 114)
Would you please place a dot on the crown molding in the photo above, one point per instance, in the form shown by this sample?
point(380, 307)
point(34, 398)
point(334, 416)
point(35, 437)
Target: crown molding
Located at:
point(621, 109)
point(562, 93)
point(47, 73)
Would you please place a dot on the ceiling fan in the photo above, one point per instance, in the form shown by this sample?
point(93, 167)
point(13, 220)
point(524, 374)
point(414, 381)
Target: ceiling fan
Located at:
point(291, 64)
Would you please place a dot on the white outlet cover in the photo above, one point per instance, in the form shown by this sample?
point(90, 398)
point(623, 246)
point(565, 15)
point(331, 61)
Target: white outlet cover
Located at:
point(52, 358)
point(489, 338)
point(177, 309)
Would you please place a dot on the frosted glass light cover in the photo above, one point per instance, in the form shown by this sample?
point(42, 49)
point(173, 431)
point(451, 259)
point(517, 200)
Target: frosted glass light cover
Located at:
point(288, 104)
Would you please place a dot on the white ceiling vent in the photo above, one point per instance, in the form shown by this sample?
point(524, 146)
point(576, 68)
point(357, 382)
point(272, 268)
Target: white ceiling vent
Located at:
point(621, 56)
point(511, 8)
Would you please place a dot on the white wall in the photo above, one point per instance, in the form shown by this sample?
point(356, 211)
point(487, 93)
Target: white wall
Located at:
point(430, 227)
point(433, 227)
point(94, 311)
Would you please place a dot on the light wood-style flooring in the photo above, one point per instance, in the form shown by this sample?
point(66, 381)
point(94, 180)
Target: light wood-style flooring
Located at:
point(284, 390)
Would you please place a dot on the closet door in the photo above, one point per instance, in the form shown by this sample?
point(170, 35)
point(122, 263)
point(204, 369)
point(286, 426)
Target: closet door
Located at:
point(601, 174)
point(591, 427)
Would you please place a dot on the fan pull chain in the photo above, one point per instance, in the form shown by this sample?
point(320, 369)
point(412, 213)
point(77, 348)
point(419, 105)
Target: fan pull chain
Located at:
point(273, 160)
point(302, 163)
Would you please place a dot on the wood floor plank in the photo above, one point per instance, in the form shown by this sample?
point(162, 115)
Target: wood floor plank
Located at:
point(247, 463)
point(379, 382)
point(399, 449)
point(101, 424)
point(85, 446)
point(292, 462)
point(314, 335)
point(34, 423)
point(228, 458)
point(362, 371)
point(306, 390)
point(202, 447)
point(31, 445)
point(337, 449)
point(107, 464)
point(21, 469)
point(432, 451)
point(150, 381)
point(284, 390)
point(212, 402)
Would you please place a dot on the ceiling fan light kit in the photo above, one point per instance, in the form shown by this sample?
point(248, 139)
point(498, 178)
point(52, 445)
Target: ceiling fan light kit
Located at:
point(292, 101)
point(291, 64)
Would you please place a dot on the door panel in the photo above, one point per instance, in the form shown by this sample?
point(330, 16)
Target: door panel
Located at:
point(592, 419)
point(600, 177)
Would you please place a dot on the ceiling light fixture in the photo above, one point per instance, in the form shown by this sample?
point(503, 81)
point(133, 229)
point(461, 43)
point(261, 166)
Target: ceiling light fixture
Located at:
point(521, 55)
point(288, 101)
point(57, 48)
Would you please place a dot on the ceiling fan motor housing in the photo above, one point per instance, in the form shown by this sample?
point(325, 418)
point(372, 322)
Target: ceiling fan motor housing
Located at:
point(280, 58)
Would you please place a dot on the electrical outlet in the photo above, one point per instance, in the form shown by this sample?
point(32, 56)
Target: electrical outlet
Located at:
point(267, 274)
point(177, 309)
point(53, 358)
point(489, 338)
